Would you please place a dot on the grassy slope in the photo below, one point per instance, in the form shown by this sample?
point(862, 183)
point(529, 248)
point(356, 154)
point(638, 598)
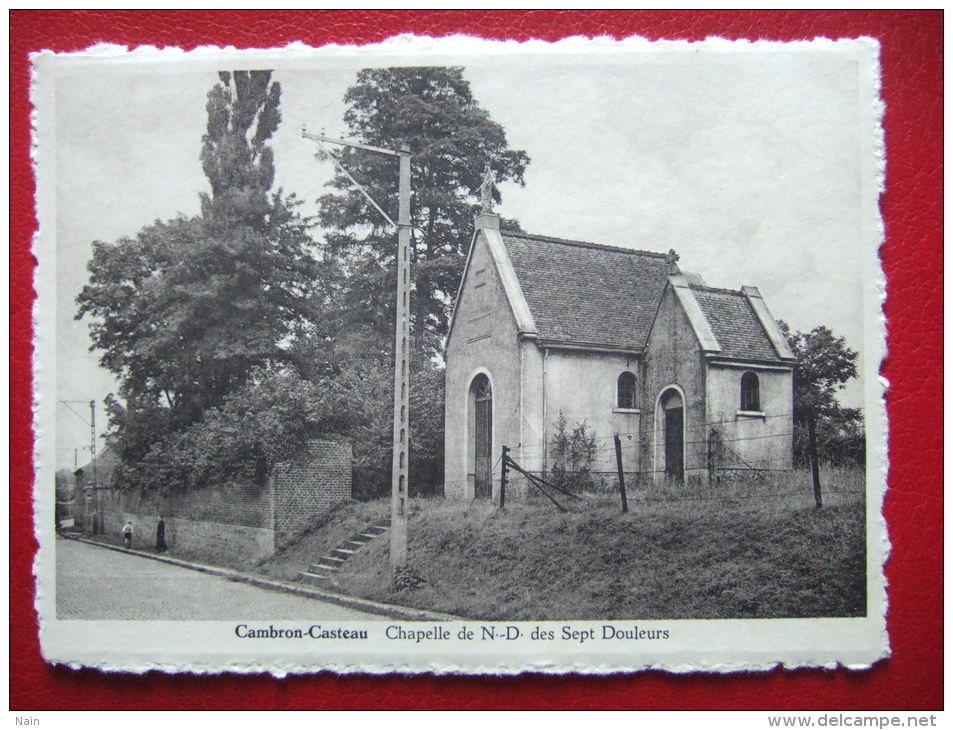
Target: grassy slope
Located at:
point(701, 559)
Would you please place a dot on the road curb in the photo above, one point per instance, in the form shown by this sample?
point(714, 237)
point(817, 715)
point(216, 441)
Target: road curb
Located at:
point(363, 604)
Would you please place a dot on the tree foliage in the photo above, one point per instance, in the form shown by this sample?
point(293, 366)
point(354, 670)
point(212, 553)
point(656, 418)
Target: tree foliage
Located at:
point(243, 114)
point(185, 311)
point(356, 365)
point(841, 440)
point(452, 138)
point(426, 428)
point(824, 365)
point(192, 312)
point(65, 485)
point(233, 342)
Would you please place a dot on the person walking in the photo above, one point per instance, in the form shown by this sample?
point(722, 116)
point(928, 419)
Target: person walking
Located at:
point(127, 534)
point(160, 535)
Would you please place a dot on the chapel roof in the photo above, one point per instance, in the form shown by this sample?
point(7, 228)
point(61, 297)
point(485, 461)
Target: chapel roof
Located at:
point(586, 293)
point(735, 324)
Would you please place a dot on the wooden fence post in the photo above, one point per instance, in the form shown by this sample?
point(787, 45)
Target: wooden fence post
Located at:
point(712, 476)
point(618, 462)
point(503, 471)
point(815, 472)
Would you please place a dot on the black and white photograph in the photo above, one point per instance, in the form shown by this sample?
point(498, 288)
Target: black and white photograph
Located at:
point(460, 356)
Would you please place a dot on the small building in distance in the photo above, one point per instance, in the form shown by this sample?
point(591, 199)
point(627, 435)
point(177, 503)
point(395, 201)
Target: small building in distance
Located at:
point(694, 379)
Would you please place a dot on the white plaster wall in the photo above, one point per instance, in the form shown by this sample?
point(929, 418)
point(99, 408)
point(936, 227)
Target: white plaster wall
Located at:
point(762, 442)
point(528, 451)
point(583, 386)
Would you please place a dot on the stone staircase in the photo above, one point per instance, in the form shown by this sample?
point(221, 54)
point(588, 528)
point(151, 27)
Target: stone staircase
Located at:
point(320, 573)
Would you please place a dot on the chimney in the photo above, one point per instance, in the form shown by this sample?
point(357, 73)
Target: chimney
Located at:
point(488, 221)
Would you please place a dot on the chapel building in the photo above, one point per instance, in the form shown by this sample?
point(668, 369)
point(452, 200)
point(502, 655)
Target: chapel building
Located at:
point(697, 381)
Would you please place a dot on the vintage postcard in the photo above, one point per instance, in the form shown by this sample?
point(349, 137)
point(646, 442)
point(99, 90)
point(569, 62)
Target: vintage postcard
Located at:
point(460, 356)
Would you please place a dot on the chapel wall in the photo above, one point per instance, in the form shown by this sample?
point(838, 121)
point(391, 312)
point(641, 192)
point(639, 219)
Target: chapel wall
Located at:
point(749, 440)
point(673, 357)
point(484, 339)
point(583, 387)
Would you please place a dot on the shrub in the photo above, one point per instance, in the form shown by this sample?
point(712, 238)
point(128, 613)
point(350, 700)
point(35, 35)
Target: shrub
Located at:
point(572, 450)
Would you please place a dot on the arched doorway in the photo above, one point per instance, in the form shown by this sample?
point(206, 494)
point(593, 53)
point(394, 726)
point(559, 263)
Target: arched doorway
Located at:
point(482, 441)
point(672, 414)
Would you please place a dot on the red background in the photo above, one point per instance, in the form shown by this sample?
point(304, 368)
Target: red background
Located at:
point(912, 53)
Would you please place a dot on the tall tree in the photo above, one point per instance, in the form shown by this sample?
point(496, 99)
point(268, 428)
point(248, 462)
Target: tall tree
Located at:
point(824, 365)
point(243, 114)
point(452, 138)
point(188, 311)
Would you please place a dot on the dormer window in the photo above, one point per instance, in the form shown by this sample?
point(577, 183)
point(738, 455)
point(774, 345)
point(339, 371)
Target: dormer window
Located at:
point(750, 392)
point(625, 391)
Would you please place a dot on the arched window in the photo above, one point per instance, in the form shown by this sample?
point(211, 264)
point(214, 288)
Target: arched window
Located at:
point(625, 391)
point(750, 393)
point(481, 387)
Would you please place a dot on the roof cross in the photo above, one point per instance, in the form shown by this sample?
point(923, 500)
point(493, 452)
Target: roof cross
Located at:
point(486, 190)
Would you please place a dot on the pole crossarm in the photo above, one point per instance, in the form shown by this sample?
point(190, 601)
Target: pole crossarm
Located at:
point(349, 143)
point(340, 168)
point(84, 402)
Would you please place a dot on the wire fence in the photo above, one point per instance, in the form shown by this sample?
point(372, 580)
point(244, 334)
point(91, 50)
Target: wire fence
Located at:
point(717, 460)
point(694, 434)
point(839, 486)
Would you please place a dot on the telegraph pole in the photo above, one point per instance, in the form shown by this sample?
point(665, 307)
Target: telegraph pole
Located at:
point(401, 435)
point(92, 439)
point(92, 428)
point(399, 477)
point(94, 489)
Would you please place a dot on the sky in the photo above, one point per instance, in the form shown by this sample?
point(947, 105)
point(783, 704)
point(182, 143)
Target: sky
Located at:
point(749, 165)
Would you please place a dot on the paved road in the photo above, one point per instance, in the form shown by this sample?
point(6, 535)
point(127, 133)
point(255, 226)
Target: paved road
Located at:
point(98, 583)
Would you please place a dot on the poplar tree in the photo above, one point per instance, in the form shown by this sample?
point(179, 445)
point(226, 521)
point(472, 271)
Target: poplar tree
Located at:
point(192, 310)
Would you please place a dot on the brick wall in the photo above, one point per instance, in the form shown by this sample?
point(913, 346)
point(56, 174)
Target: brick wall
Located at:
point(236, 543)
point(234, 503)
point(308, 486)
point(238, 518)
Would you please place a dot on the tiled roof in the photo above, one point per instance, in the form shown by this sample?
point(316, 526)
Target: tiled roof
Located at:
point(588, 294)
point(734, 324)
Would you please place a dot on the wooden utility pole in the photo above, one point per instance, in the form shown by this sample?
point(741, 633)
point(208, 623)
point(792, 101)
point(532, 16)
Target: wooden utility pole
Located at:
point(400, 477)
